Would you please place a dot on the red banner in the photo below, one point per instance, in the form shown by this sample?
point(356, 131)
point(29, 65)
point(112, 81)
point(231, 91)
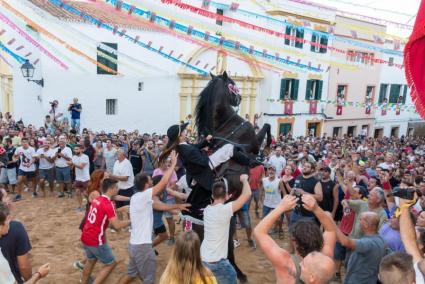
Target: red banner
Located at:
point(313, 107)
point(288, 107)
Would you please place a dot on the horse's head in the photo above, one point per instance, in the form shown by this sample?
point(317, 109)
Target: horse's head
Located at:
point(219, 96)
point(233, 95)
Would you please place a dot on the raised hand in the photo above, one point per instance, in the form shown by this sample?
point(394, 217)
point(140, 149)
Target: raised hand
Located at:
point(309, 202)
point(244, 178)
point(288, 203)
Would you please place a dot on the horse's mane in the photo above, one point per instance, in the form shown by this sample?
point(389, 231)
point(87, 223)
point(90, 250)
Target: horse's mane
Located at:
point(204, 119)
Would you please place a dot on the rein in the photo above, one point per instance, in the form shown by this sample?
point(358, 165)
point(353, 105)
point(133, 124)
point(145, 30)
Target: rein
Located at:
point(226, 122)
point(226, 138)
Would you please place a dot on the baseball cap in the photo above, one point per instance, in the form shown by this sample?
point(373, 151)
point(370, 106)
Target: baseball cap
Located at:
point(326, 169)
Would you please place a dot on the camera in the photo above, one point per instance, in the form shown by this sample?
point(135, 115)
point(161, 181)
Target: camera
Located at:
point(59, 150)
point(299, 205)
point(52, 104)
point(405, 193)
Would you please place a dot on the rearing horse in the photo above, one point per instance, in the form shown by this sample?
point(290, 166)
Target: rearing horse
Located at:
point(215, 115)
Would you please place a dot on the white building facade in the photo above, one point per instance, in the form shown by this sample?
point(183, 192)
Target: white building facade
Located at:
point(395, 115)
point(149, 91)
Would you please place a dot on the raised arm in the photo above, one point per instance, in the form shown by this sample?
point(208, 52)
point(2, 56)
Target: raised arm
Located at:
point(407, 231)
point(157, 189)
point(245, 195)
point(329, 226)
point(279, 257)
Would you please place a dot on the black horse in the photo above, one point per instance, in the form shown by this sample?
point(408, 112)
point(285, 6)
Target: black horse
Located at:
point(215, 115)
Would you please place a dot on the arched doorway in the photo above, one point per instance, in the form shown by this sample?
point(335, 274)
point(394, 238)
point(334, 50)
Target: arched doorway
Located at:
point(192, 84)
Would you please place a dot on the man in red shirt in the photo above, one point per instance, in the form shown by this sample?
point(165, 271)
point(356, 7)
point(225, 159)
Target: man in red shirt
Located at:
point(101, 212)
point(255, 176)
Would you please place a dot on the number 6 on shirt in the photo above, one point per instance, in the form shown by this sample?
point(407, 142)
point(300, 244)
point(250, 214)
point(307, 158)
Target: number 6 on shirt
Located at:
point(92, 215)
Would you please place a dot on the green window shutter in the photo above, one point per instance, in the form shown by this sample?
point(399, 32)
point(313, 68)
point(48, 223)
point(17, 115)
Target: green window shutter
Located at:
point(288, 33)
point(394, 93)
point(282, 88)
point(300, 36)
point(382, 93)
point(106, 60)
point(308, 90)
point(319, 87)
point(404, 94)
point(323, 41)
point(295, 85)
point(313, 40)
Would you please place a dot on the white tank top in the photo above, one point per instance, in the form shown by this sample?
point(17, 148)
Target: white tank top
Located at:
point(272, 196)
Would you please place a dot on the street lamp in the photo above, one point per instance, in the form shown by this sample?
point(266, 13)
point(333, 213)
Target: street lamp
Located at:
point(28, 71)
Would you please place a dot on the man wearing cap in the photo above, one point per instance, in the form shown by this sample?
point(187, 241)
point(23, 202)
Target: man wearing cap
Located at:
point(330, 192)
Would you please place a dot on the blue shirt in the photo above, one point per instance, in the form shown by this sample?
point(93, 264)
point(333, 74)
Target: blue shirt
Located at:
point(363, 265)
point(74, 113)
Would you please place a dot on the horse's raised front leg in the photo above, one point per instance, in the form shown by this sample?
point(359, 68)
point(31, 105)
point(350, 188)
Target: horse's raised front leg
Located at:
point(265, 131)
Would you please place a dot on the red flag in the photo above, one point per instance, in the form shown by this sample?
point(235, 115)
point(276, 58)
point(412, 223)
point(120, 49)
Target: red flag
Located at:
point(414, 60)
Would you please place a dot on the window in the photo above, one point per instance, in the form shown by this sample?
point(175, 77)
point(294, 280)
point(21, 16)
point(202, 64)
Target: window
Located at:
point(217, 21)
point(297, 36)
point(314, 90)
point(285, 128)
point(403, 101)
point(391, 61)
point(360, 57)
point(107, 55)
point(383, 93)
point(289, 89)
point(351, 131)
point(111, 106)
point(321, 42)
point(341, 91)
point(336, 132)
point(140, 86)
point(395, 91)
point(370, 93)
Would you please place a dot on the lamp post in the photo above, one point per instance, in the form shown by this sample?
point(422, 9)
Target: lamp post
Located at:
point(28, 71)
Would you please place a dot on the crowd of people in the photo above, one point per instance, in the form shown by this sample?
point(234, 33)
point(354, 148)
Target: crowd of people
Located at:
point(354, 206)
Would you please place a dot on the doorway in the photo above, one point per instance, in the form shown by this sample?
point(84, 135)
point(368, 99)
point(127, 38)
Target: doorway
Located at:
point(394, 131)
point(313, 128)
point(379, 133)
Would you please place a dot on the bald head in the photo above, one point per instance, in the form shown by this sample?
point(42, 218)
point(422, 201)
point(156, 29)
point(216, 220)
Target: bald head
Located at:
point(369, 222)
point(317, 268)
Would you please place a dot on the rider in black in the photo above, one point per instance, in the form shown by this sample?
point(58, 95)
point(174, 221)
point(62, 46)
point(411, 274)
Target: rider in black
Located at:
point(199, 166)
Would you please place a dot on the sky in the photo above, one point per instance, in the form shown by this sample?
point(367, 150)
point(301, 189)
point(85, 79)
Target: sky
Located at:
point(404, 11)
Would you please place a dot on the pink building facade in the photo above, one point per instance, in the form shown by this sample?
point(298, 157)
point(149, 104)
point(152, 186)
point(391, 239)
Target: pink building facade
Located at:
point(352, 92)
